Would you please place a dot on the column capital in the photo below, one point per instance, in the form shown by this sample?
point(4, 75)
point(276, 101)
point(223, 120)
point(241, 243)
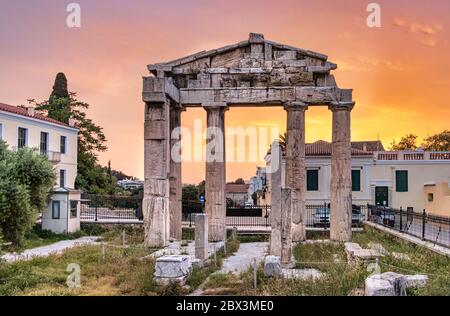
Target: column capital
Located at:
point(341, 106)
point(180, 108)
point(295, 106)
point(215, 105)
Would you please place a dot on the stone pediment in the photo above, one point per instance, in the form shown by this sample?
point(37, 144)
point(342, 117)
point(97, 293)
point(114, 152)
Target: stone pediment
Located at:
point(249, 72)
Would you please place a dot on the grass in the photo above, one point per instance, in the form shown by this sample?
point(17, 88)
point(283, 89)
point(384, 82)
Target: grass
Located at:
point(341, 279)
point(124, 271)
point(121, 273)
point(423, 261)
point(199, 276)
point(188, 234)
point(38, 238)
point(253, 238)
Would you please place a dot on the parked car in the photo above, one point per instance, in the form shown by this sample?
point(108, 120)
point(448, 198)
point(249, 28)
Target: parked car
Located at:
point(321, 217)
point(386, 216)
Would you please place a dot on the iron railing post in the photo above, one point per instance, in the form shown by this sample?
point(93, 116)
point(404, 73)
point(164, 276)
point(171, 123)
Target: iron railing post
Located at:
point(401, 219)
point(424, 214)
point(96, 211)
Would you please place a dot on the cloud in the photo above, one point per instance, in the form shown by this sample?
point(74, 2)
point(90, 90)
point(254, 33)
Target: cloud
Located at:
point(414, 27)
point(428, 33)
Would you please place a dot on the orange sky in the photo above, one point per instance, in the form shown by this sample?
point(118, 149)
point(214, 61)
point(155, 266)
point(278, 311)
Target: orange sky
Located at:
point(399, 72)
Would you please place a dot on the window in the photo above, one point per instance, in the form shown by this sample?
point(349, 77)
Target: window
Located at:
point(312, 180)
point(63, 144)
point(56, 210)
point(44, 143)
point(401, 180)
point(430, 197)
point(62, 178)
point(1, 131)
point(73, 209)
point(356, 180)
point(22, 137)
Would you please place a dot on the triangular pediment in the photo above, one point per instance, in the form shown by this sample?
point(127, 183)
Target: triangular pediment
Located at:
point(252, 71)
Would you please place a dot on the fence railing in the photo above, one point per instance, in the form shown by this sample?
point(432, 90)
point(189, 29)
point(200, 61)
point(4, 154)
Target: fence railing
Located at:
point(317, 216)
point(111, 209)
point(429, 227)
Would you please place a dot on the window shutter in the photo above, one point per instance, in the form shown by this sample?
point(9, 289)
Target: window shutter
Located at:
point(312, 180)
point(401, 180)
point(356, 180)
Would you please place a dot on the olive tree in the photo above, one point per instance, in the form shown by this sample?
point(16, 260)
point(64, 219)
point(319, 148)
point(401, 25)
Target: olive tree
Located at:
point(26, 182)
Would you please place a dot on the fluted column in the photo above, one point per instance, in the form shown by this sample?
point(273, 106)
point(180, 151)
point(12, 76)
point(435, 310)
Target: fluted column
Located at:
point(341, 183)
point(175, 205)
point(295, 166)
point(276, 199)
point(215, 170)
point(156, 173)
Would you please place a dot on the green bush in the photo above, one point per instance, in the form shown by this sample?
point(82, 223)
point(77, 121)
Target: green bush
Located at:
point(26, 181)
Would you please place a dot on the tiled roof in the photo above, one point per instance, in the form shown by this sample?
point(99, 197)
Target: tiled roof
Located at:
point(375, 145)
point(236, 188)
point(24, 112)
point(323, 148)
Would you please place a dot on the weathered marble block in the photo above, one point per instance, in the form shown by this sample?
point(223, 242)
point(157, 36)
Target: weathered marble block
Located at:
point(172, 268)
point(272, 266)
point(393, 284)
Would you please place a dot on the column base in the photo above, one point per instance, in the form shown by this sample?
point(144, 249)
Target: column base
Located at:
point(217, 230)
point(298, 232)
point(156, 221)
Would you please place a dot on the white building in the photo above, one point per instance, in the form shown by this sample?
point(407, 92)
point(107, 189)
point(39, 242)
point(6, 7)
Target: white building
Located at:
point(257, 183)
point(22, 127)
point(130, 184)
point(395, 179)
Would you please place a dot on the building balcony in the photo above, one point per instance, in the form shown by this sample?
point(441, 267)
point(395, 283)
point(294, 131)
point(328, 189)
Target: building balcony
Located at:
point(412, 155)
point(54, 157)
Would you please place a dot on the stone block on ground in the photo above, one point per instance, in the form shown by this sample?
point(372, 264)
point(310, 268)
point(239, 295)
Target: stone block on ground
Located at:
point(272, 266)
point(356, 254)
point(401, 256)
point(378, 247)
point(398, 282)
point(376, 286)
point(172, 268)
point(301, 274)
point(416, 281)
point(393, 284)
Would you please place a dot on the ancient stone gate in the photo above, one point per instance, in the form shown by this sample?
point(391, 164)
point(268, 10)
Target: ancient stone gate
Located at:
point(255, 72)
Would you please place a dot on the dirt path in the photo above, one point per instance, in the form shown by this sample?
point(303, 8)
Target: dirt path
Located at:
point(48, 250)
point(243, 259)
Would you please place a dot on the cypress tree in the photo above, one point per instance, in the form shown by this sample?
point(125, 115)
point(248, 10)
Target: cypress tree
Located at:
point(60, 87)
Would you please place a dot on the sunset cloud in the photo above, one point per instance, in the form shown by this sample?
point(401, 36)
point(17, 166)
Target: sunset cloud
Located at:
point(399, 72)
point(427, 33)
point(414, 27)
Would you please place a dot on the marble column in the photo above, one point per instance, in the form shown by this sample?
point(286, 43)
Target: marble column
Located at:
point(175, 205)
point(275, 197)
point(201, 237)
point(295, 166)
point(341, 181)
point(156, 172)
point(286, 226)
point(215, 170)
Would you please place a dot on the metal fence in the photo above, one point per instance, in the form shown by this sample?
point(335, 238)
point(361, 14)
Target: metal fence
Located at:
point(317, 216)
point(111, 209)
point(429, 227)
